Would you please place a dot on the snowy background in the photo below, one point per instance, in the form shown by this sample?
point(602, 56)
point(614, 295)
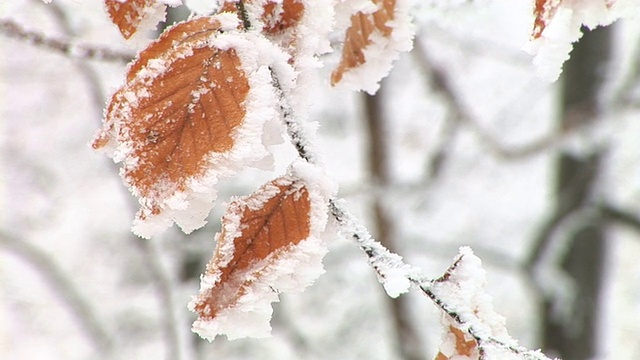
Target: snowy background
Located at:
point(75, 282)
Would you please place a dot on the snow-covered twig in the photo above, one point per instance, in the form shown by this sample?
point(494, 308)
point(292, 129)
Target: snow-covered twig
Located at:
point(389, 266)
point(394, 274)
point(65, 46)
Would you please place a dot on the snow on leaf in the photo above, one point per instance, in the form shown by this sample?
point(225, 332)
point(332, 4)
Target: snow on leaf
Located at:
point(372, 42)
point(133, 15)
point(477, 328)
point(191, 112)
point(269, 243)
point(557, 24)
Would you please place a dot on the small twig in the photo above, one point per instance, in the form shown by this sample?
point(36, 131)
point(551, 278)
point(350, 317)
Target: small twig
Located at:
point(243, 15)
point(65, 46)
point(620, 216)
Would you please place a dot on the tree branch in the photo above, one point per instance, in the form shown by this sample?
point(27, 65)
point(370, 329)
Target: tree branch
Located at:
point(60, 282)
point(384, 262)
point(66, 47)
point(620, 216)
point(442, 85)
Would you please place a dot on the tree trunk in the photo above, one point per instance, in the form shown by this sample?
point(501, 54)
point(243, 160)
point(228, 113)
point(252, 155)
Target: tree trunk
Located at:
point(407, 338)
point(575, 337)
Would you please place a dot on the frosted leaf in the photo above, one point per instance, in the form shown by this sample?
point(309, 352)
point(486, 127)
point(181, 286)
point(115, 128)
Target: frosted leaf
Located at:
point(477, 325)
point(137, 16)
point(557, 26)
point(191, 112)
point(270, 242)
point(299, 27)
point(373, 41)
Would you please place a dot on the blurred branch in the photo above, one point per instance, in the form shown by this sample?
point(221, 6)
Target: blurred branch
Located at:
point(66, 47)
point(475, 46)
point(620, 216)
point(165, 288)
point(91, 77)
point(60, 282)
point(624, 95)
point(160, 278)
point(442, 84)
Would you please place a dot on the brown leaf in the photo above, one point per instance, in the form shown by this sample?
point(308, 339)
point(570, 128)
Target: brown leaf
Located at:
point(128, 14)
point(271, 221)
point(358, 36)
point(543, 11)
point(463, 346)
point(277, 16)
point(181, 102)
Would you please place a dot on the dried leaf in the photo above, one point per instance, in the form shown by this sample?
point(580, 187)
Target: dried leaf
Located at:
point(358, 36)
point(276, 16)
point(543, 11)
point(184, 99)
point(372, 42)
point(463, 345)
point(281, 16)
point(129, 15)
point(264, 237)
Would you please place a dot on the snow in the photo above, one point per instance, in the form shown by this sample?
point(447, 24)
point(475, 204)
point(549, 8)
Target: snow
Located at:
point(396, 282)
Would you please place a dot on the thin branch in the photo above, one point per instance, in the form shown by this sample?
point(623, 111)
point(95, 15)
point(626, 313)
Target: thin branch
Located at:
point(60, 282)
point(90, 76)
point(67, 47)
point(442, 84)
point(620, 216)
point(382, 260)
point(378, 254)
